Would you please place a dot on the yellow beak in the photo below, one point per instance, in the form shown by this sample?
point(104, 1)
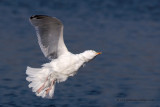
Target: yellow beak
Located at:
point(99, 53)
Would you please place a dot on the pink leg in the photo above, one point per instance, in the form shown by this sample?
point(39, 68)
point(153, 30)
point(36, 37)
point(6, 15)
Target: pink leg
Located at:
point(41, 88)
point(47, 90)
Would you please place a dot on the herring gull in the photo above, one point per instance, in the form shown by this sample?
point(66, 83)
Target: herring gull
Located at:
point(62, 62)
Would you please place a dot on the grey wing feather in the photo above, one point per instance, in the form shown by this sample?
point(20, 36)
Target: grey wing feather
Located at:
point(50, 35)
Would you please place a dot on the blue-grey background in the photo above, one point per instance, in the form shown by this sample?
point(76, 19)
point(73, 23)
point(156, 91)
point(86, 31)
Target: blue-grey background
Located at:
point(126, 31)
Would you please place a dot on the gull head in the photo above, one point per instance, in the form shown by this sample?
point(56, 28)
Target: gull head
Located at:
point(90, 54)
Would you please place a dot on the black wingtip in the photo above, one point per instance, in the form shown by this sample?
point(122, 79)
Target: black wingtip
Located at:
point(32, 17)
point(38, 16)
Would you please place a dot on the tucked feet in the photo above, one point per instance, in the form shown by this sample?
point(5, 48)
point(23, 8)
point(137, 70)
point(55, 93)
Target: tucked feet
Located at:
point(48, 90)
point(42, 87)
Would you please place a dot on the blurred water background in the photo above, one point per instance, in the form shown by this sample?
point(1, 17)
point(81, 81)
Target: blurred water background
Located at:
point(127, 74)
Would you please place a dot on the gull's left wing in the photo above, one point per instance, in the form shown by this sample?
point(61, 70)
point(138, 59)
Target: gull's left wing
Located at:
point(50, 35)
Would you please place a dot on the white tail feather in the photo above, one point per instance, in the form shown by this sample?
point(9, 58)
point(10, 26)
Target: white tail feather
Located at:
point(39, 77)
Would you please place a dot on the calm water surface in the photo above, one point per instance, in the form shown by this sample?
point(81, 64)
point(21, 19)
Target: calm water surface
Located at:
point(127, 74)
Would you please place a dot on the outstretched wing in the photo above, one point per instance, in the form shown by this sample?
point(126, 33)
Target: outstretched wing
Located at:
point(50, 35)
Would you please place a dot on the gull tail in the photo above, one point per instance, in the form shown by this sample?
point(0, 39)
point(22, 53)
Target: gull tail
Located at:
point(41, 82)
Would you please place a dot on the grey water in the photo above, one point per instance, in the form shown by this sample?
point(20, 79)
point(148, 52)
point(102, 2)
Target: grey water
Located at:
point(126, 74)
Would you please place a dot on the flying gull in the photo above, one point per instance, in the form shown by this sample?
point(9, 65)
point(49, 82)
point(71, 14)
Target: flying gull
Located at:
point(62, 62)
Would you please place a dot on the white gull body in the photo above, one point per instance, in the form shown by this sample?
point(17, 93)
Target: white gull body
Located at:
point(63, 63)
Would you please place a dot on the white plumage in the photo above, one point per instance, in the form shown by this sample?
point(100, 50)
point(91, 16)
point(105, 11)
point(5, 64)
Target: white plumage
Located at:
point(63, 63)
